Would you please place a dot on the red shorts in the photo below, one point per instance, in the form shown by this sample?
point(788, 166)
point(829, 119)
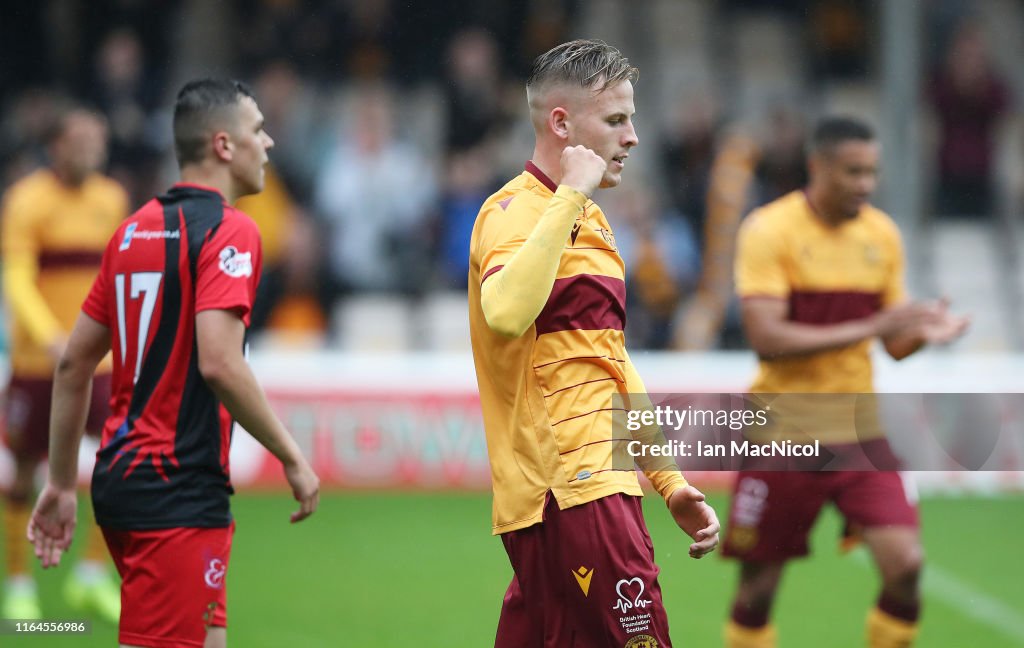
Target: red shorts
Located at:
point(27, 414)
point(585, 577)
point(772, 513)
point(173, 584)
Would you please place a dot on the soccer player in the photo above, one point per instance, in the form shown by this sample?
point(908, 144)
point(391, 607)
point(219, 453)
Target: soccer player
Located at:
point(547, 313)
point(820, 274)
point(56, 222)
point(173, 300)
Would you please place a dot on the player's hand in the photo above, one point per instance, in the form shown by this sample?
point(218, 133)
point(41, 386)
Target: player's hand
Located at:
point(52, 525)
point(908, 318)
point(582, 169)
point(946, 329)
point(305, 487)
point(696, 518)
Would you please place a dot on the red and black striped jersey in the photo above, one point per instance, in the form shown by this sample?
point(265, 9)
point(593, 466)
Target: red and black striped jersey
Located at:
point(163, 461)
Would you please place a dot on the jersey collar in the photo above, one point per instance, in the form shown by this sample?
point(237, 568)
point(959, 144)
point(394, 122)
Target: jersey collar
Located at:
point(535, 171)
point(192, 185)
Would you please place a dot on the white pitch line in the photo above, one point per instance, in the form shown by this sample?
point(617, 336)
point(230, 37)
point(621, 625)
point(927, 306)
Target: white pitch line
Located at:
point(969, 600)
point(966, 599)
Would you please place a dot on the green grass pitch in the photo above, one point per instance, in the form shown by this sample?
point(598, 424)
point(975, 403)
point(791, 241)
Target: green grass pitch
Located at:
point(422, 570)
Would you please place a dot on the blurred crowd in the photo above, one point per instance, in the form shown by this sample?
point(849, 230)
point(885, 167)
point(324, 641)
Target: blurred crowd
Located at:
point(393, 121)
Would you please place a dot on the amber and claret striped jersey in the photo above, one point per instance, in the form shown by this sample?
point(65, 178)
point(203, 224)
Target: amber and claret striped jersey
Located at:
point(52, 241)
point(827, 275)
point(547, 396)
point(163, 460)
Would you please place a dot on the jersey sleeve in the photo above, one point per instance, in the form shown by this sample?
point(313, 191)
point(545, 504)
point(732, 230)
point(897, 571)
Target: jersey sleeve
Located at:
point(228, 269)
point(97, 302)
point(503, 231)
point(760, 269)
point(663, 472)
point(20, 255)
point(895, 290)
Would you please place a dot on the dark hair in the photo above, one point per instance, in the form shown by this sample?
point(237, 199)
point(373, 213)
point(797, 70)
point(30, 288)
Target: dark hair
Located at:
point(833, 131)
point(198, 110)
point(584, 63)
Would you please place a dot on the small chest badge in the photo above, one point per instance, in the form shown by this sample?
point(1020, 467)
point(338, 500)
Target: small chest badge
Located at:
point(608, 237)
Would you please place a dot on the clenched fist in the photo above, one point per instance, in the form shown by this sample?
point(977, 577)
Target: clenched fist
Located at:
point(582, 169)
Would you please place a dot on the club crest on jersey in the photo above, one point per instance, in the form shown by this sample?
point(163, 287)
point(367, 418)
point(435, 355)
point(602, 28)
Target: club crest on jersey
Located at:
point(642, 641)
point(608, 237)
point(234, 263)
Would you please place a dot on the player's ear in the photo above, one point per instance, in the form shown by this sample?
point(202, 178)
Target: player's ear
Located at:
point(558, 122)
point(222, 146)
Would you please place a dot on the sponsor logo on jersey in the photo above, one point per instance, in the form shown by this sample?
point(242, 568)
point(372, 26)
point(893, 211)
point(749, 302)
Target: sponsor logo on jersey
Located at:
point(126, 242)
point(583, 576)
point(214, 574)
point(750, 502)
point(627, 601)
point(234, 263)
point(133, 232)
point(575, 232)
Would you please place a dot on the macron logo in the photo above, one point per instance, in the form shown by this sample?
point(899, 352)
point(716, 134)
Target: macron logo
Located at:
point(129, 232)
point(583, 576)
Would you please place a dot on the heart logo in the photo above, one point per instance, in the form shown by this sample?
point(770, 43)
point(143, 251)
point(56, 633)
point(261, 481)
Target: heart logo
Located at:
point(625, 602)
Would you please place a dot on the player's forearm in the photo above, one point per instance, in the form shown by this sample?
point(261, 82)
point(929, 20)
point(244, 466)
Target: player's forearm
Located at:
point(900, 347)
point(785, 339)
point(661, 471)
point(28, 306)
point(513, 298)
point(235, 386)
point(72, 390)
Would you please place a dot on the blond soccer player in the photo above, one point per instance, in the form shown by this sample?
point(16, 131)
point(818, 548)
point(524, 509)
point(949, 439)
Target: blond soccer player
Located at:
point(547, 313)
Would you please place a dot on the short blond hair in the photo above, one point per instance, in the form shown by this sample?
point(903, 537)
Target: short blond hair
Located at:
point(585, 63)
